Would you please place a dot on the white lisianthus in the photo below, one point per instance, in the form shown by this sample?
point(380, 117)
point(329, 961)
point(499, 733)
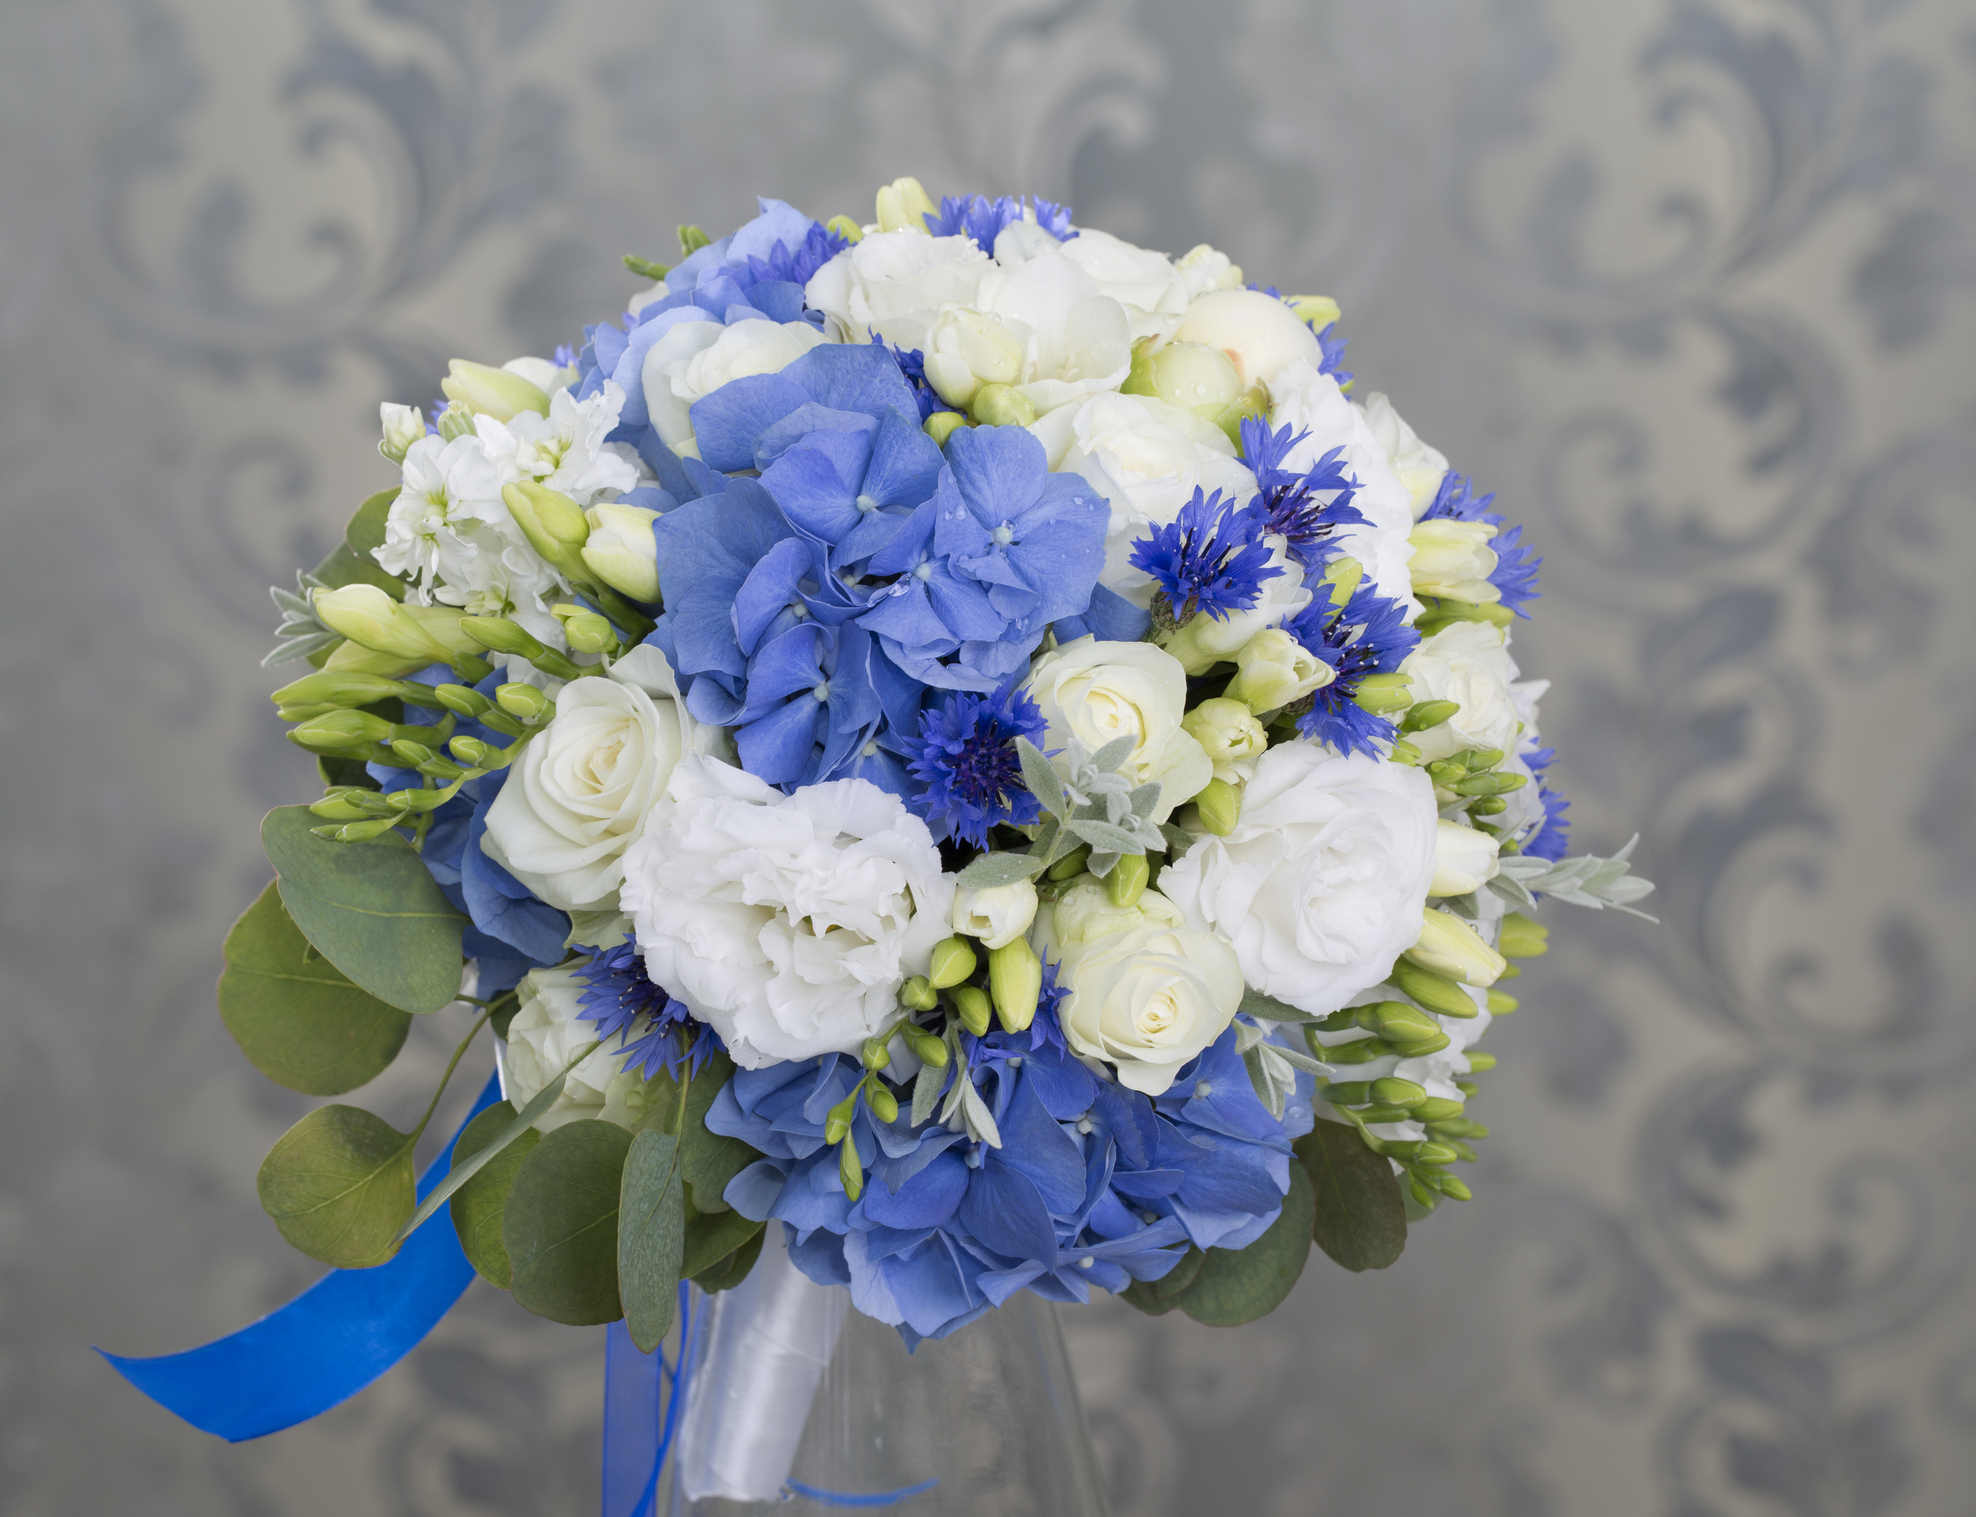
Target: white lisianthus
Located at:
point(1146, 992)
point(1092, 692)
point(1146, 458)
point(997, 915)
point(693, 359)
point(1260, 333)
point(1465, 859)
point(1320, 885)
point(544, 1035)
point(1309, 402)
point(621, 550)
point(1452, 560)
point(788, 922)
point(564, 450)
point(1204, 268)
point(1418, 467)
point(1465, 662)
point(1207, 640)
point(582, 788)
point(895, 284)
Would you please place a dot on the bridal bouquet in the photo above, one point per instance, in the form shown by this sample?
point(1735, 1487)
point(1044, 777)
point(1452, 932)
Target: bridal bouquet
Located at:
point(958, 736)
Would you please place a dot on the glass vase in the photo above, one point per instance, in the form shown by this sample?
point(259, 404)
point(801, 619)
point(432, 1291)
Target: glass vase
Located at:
point(793, 1402)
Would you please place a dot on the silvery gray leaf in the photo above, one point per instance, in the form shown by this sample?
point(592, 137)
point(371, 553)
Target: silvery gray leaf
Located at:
point(995, 869)
point(1114, 753)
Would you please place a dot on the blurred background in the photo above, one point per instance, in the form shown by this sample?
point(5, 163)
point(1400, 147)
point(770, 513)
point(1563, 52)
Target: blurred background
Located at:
point(1688, 282)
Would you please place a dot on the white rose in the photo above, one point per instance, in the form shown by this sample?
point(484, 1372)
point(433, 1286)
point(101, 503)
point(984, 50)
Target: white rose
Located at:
point(1465, 859)
point(788, 922)
point(998, 915)
point(1076, 339)
point(545, 1035)
point(1146, 458)
point(966, 349)
point(1309, 402)
point(1205, 268)
point(1452, 560)
point(1207, 640)
point(1094, 692)
point(1146, 992)
point(1259, 332)
point(1418, 467)
point(1464, 662)
point(1153, 292)
point(895, 284)
point(1321, 884)
point(583, 786)
point(695, 358)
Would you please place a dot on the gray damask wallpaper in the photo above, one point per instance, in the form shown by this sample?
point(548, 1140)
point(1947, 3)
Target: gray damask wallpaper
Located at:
point(1689, 282)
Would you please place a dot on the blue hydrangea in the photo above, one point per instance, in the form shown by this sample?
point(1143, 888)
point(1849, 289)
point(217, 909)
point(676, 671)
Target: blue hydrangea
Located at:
point(1515, 574)
point(1370, 636)
point(1211, 557)
point(967, 762)
point(983, 219)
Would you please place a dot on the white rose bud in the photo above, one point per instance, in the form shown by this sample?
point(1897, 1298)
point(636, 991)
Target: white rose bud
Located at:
point(967, 349)
point(1273, 669)
point(1451, 559)
point(1465, 662)
point(403, 426)
point(1095, 692)
point(493, 392)
point(1231, 736)
point(1258, 331)
point(1146, 992)
point(997, 915)
point(545, 1035)
point(1449, 946)
point(1465, 859)
point(621, 550)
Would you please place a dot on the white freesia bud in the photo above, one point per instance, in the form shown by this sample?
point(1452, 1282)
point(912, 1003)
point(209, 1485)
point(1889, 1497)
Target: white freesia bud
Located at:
point(1273, 669)
point(493, 392)
point(967, 349)
point(1464, 859)
point(1465, 662)
point(1418, 467)
point(371, 619)
point(1146, 992)
point(1452, 559)
point(545, 1034)
point(621, 550)
point(1259, 332)
point(1230, 735)
point(903, 206)
point(1094, 692)
point(997, 915)
point(1449, 946)
point(1204, 268)
point(403, 426)
point(540, 372)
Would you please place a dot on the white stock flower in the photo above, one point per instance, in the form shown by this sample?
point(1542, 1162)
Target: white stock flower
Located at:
point(1320, 886)
point(564, 450)
point(1146, 458)
point(695, 358)
point(1452, 560)
point(997, 915)
point(1418, 467)
point(1146, 992)
point(1465, 662)
point(1093, 692)
point(1464, 859)
point(582, 788)
point(895, 284)
point(788, 922)
point(1260, 333)
point(544, 1035)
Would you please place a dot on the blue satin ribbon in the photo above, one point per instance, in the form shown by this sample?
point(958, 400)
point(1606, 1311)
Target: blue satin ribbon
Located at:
point(328, 1343)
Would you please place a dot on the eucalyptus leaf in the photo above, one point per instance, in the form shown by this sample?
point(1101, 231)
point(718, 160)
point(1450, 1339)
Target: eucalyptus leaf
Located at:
point(339, 1184)
point(990, 870)
point(651, 1237)
point(725, 1274)
point(1240, 1285)
point(370, 908)
point(1359, 1217)
point(1041, 778)
point(365, 533)
point(297, 1018)
point(708, 1160)
point(561, 1226)
point(482, 1199)
point(709, 1239)
point(1158, 1297)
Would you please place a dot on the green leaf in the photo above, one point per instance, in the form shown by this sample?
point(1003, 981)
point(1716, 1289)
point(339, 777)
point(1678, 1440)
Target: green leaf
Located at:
point(561, 1225)
point(1360, 1215)
point(712, 1238)
point(339, 1185)
point(299, 1021)
point(993, 869)
point(1240, 1285)
point(731, 1271)
point(342, 567)
point(708, 1160)
point(482, 1198)
point(370, 908)
point(1158, 1297)
point(365, 534)
point(651, 1237)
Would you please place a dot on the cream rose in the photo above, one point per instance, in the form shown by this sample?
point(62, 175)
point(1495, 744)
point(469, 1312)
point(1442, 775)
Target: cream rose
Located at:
point(895, 284)
point(1465, 662)
point(1321, 884)
point(581, 789)
point(788, 922)
point(1146, 992)
point(695, 358)
point(1094, 692)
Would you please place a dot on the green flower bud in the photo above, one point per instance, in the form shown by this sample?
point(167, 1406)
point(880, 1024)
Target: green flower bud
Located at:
point(1070, 864)
point(1001, 406)
point(1226, 730)
point(1428, 714)
point(492, 392)
point(342, 805)
point(455, 422)
point(1479, 1061)
point(1437, 1109)
point(1220, 807)
point(1273, 669)
point(1015, 979)
point(1395, 1092)
point(1490, 784)
point(953, 962)
point(552, 523)
point(371, 619)
point(472, 751)
point(1487, 805)
point(503, 636)
point(1128, 879)
point(1479, 759)
point(621, 550)
point(1315, 311)
point(336, 687)
point(1421, 1048)
point(1360, 1051)
point(462, 700)
point(883, 1104)
point(1501, 1005)
point(942, 425)
point(1404, 752)
point(340, 731)
point(850, 1168)
point(917, 994)
point(846, 228)
point(1251, 405)
point(356, 832)
point(1347, 1092)
point(1398, 1022)
point(971, 1006)
point(927, 1048)
point(1524, 937)
point(646, 268)
point(585, 630)
point(403, 426)
point(525, 702)
point(691, 239)
point(903, 206)
point(1435, 992)
point(1190, 374)
point(1452, 1186)
point(1344, 574)
point(1383, 694)
point(1449, 946)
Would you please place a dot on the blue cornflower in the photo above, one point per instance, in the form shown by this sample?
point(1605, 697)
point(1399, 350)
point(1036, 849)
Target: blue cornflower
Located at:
point(1333, 361)
point(1370, 636)
point(912, 364)
point(1551, 837)
point(1515, 574)
point(1209, 558)
point(968, 762)
point(657, 1030)
point(983, 219)
point(787, 265)
point(1305, 507)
